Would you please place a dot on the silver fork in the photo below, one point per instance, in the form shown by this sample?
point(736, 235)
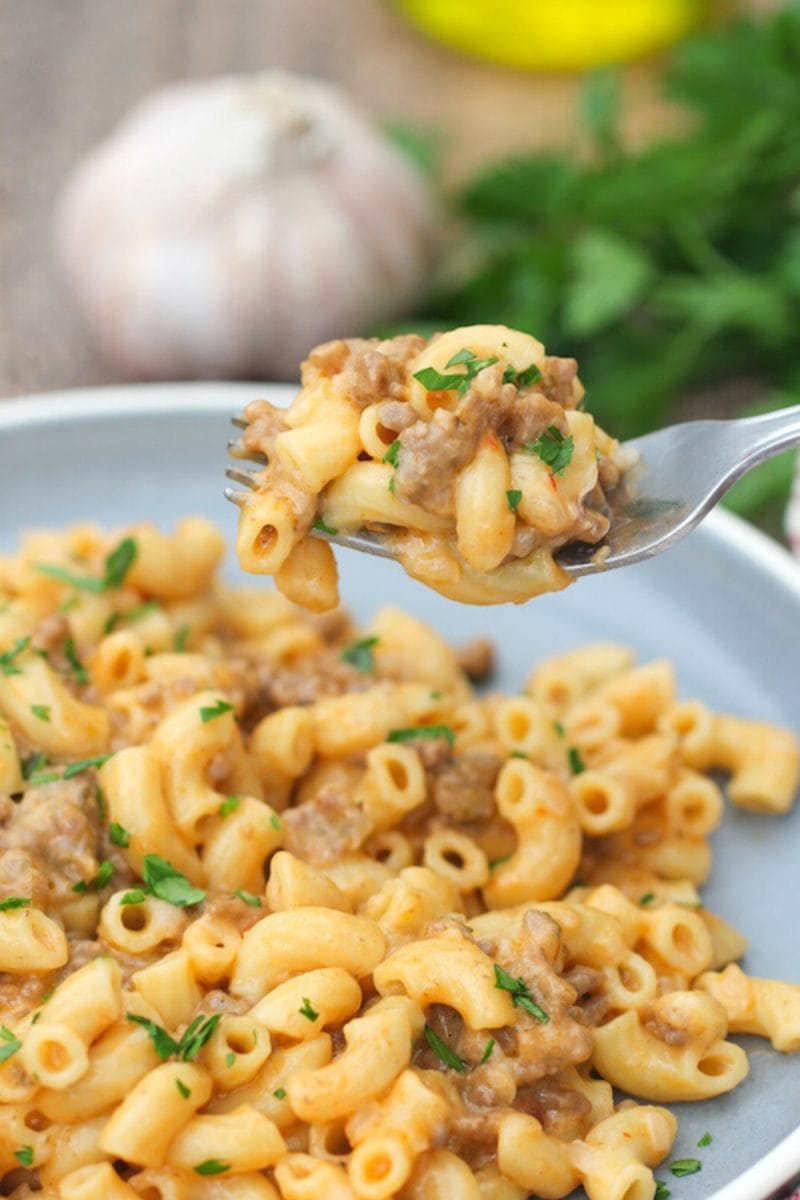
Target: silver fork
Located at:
point(681, 473)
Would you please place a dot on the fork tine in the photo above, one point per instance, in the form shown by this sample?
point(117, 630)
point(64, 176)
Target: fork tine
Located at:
point(237, 498)
point(248, 479)
point(237, 449)
point(240, 421)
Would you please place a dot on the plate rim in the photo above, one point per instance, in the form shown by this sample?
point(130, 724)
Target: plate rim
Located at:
point(781, 1164)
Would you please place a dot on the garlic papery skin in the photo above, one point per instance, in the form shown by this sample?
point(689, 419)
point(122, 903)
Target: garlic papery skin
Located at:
point(228, 226)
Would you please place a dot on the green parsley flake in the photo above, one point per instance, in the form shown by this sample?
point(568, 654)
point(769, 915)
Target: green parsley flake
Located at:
point(116, 567)
point(553, 449)
point(166, 883)
point(437, 381)
point(576, 764)
point(705, 1140)
point(33, 765)
point(559, 728)
point(307, 1010)
point(191, 1041)
point(181, 639)
point(24, 1156)
point(429, 732)
point(443, 1051)
point(647, 898)
point(494, 863)
point(79, 671)
point(8, 1044)
point(230, 1059)
point(392, 455)
point(183, 1089)
point(42, 711)
point(685, 1166)
point(8, 657)
point(359, 655)
point(229, 805)
point(119, 835)
point(134, 896)
point(518, 754)
point(487, 1050)
point(212, 1166)
point(12, 902)
point(210, 711)
point(662, 1191)
point(279, 1093)
point(84, 765)
point(104, 873)
point(248, 898)
point(520, 993)
point(275, 822)
point(321, 527)
point(513, 498)
point(523, 378)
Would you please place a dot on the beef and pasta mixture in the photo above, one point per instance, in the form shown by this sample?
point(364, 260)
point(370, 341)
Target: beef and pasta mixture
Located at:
point(290, 910)
point(469, 453)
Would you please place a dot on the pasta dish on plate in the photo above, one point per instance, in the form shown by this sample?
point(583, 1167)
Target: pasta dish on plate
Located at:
point(290, 910)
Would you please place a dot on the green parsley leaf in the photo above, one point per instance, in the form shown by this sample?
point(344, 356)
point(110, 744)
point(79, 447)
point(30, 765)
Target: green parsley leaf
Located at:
point(443, 1051)
point(119, 562)
point(10, 1044)
point(24, 1156)
point(559, 728)
point(112, 622)
point(307, 1011)
point(39, 778)
point(685, 1166)
point(320, 525)
point(209, 711)
point(705, 1140)
point(523, 378)
point(183, 1089)
point(487, 1051)
point(134, 896)
point(12, 902)
point(513, 498)
point(230, 1059)
point(7, 658)
point(166, 883)
point(229, 805)
point(392, 455)
point(119, 835)
point(195, 1036)
point(494, 863)
point(142, 610)
point(553, 449)
point(279, 1093)
point(212, 1166)
point(662, 1191)
point(42, 711)
point(520, 993)
point(84, 764)
point(248, 898)
point(392, 483)
point(436, 381)
point(31, 766)
point(104, 873)
point(429, 732)
point(518, 754)
point(181, 639)
point(275, 821)
point(78, 669)
point(647, 898)
point(576, 763)
point(359, 655)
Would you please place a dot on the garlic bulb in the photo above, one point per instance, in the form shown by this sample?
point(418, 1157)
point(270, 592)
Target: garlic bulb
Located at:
point(228, 226)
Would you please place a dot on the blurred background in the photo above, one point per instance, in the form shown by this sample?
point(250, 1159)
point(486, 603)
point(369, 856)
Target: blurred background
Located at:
point(621, 179)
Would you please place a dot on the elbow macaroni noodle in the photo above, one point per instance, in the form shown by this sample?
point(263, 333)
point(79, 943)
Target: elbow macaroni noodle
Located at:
point(288, 913)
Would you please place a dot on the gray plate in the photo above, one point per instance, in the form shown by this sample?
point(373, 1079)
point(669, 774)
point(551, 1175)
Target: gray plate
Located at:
point(724, 607)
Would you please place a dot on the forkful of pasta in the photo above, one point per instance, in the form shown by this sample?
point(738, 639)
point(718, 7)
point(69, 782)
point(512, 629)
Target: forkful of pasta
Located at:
point(470, 460)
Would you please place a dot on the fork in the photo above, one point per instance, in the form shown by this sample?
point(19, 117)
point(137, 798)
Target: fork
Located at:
point(680, 474)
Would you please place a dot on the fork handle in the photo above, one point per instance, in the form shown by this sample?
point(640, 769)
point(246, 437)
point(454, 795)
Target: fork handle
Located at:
point(767, 434)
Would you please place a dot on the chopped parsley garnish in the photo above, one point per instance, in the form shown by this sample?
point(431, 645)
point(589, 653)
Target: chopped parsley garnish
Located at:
point(523, 378)
point(443, 1051)
point(518, 754)
point(230, 1059)
point(320, 525)
point(248, 898)
point(12, 902)
point(553, 449)
point(576, 764)
point(647, 898)
point(134, 896)
point(31, 766)
point(212, 1166)
point(119, 835)
point(24, 1156)
point(115, 568)
point(520, 993)
point(104, 873)
point(181, 639)
point(306, 1010)
point(84, 764)
point(559, 728)
point(487, 1050)
point(166, 883)
point(275, 822)
point(279, 1093)
point(76, 666)
point(42, 711)
point(429, 732)
point(662, 1191)
point(494, 863)
point(513, 498)
point(436, 381)
point(685, 1166)
point(229, 805)
point(705, 1140)
point(392, 455)
point(8, 1044)
point(191, 1042)
point(183, 1089)
point(359, 655)
point(209, 711)
point(8, 658)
